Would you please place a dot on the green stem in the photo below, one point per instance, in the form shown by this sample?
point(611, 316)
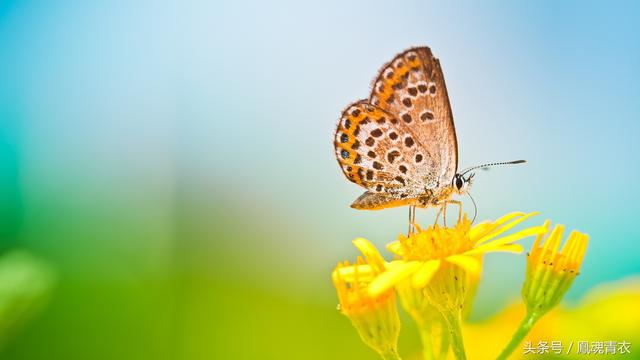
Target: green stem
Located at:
point(427, 344)
point(457, 344)
point(391, 354)
point(444, 339)
point(524, 328)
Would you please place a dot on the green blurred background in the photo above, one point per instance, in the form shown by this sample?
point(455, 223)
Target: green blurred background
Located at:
point(172, 163)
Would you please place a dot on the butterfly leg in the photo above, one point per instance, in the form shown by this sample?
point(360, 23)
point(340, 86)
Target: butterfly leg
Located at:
point(438, 216)
point(443, 210)
point(459, 207)
point(412, 218)
point(444, 213)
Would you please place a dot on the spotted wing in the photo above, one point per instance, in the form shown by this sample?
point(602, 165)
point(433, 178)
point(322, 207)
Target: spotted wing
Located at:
point(375, 151)
point(411, 87)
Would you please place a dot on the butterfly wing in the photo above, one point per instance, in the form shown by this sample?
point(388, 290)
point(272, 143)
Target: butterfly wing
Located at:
point(369, 147)
point(412, 89)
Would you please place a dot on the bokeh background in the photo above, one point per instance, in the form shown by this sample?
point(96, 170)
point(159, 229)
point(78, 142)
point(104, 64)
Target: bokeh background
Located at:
point(172, 162)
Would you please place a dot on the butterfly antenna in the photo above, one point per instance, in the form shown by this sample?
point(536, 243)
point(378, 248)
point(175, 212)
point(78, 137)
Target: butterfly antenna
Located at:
point(475, 207)
point(493, 164)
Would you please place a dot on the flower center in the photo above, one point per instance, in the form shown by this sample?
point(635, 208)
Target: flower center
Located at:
point(437, 242)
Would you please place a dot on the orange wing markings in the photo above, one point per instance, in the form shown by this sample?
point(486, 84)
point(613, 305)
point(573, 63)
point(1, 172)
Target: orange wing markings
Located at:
point(401, 142)
point(412, 88)
point(361, 142)
point(394, 73)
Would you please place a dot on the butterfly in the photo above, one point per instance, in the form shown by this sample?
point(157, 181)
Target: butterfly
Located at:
point(400, 144)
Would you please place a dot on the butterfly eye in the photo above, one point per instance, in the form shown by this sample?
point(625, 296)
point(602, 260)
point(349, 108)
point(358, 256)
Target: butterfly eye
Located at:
point(459, 182)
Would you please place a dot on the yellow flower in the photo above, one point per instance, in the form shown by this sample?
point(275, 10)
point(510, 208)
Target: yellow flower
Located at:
point(375, 317)
point(438, 265)
point(549, 275)
point(428, 319)
point(612, 306)
point(550, 272)
point(443, 256)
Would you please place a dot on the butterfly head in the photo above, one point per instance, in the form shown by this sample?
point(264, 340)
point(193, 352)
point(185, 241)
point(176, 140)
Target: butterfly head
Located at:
point(461, 184)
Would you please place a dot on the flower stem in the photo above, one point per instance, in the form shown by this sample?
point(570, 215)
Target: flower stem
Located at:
point(457, 344)
point(524, 328)
point(444, 339)
point(427, 344)
point(391, 354)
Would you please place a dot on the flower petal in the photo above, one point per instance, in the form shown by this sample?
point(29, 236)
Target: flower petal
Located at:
point(479, 229)
point(510, 248)
point(394, 264)
point(506, 218)
point(502, 229)
point(486, 227)
point(395, 248)
point(370, 253)
point(353, 272)
point(552, 243)
point(567, 255)
point(426, 271)
point(536, 243)
point(582, 249)
point(392, 276)
point(534, 230)
point(471, 264)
